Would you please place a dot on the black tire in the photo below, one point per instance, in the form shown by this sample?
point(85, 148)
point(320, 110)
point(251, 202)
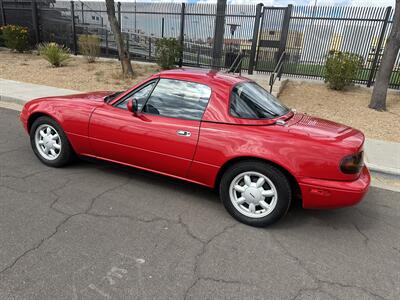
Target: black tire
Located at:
point(276, 176)
point(66, 153)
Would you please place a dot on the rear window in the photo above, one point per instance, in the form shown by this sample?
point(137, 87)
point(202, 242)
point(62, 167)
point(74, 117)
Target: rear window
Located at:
point(251, 101)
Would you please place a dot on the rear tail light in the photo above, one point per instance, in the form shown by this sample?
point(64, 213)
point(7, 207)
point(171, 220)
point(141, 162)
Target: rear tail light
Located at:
point(352, 164)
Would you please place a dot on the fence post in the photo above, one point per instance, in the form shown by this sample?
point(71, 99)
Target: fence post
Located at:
point(83, 18)
point(3, 14)
point(74, 47)
point(198, 55)
point(149, 48)
point(182, 33)
point(35, 21)
point(106, 42)
point(162, 27)
point(254, 41)
point(119, 15)
point(379, 46)
point(285, 30)
point(218, 34)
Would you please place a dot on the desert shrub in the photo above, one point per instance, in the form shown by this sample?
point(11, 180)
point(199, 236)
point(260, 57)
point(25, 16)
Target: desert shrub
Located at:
point(341, 69)
point(15, 37)
point(167, 52)
point(55, 54)
point(89, 46)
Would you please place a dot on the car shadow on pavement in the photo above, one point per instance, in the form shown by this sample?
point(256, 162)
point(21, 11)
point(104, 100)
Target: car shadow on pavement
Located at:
point(297, 217)
point(155, 179)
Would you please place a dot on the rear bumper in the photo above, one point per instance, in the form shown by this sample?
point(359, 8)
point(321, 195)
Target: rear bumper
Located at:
point(325, 194)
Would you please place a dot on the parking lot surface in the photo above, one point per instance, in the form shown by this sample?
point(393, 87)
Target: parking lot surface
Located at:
point(95, 230)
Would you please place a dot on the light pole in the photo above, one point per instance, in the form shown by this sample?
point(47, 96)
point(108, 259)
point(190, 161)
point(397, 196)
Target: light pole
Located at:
point(135, 16)
point(313, 12)
point(233, 28)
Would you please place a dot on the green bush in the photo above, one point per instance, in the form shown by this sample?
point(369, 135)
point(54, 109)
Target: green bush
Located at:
point(167, 52)
point(341, 69)
point(15, 37)
point(89, 46)
point(55, 54)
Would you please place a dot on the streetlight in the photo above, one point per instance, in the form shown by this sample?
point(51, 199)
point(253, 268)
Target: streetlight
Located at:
point(233, 28)
point(135, 16)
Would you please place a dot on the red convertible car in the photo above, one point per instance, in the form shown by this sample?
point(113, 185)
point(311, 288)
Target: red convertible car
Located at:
point(211, 128)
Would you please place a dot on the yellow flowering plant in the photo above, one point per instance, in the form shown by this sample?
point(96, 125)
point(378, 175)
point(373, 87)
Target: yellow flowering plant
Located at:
point(15, 37)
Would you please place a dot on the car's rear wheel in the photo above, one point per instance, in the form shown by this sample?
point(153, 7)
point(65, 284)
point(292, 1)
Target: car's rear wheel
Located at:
point(49, 142)
point(255, 193)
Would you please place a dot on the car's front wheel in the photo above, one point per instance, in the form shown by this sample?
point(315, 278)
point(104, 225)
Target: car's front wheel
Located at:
point(255, 193)
point(49, 142)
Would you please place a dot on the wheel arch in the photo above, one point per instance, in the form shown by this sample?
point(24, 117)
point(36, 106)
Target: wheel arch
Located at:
point(36, 115)
point(296, 191)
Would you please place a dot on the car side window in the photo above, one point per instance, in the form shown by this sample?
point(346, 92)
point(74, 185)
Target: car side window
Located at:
point(251, 101)
point(178, 99)
point(140, 95)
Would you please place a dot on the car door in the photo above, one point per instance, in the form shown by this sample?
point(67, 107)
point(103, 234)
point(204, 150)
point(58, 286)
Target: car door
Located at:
point(163, 137)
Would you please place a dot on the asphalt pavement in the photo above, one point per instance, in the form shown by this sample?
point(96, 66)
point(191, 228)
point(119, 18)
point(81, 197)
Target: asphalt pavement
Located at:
point(96, 230)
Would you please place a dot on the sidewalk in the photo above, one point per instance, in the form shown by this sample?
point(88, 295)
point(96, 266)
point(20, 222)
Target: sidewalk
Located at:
point(21, 92)
point(380, 156)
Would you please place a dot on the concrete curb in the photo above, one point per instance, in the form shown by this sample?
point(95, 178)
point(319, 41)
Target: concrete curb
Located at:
point(12, 100)
point(384, 170)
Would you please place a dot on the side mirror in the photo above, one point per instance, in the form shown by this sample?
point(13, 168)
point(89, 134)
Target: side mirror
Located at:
point(132, 106)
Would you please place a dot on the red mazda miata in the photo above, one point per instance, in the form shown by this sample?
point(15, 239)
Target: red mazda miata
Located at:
point(211, 128)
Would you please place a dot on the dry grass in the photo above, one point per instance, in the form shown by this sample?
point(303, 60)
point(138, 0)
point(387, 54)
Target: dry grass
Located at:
point(348, 107)
point(76, 75)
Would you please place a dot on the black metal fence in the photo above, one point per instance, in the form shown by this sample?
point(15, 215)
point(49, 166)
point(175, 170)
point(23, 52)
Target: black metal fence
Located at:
point(304, 33)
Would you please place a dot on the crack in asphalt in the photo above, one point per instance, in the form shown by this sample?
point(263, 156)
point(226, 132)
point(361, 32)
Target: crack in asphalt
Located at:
point(204, 242)
point(197, 260)
point(375, 218)
point(317, 289)
point(187, 230)
point(198, 257)
point(318, 281)
point(203, 251)
point(36, 246)
point(64, 221)
point(93, 200)
point(365, 237)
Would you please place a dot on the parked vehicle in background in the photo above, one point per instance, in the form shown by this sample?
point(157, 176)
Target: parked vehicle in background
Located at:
point(218, 130)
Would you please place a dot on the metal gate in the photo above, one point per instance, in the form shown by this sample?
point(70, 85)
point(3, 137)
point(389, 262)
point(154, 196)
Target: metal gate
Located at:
point(273, 36)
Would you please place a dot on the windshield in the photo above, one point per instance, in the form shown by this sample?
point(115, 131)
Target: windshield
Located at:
point(251, 101)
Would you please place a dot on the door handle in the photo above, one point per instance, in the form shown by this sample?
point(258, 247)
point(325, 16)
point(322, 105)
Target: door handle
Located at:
point(183, 133)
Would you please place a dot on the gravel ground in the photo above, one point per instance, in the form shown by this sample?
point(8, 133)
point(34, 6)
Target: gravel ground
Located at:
point(76, 75)
point(349, 107)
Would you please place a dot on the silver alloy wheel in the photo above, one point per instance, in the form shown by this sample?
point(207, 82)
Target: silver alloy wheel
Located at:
point(47, 141)
point(253, 194)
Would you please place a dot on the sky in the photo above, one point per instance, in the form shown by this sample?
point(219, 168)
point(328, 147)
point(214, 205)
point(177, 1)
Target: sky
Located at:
point(310, 2)
point(286, 2)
